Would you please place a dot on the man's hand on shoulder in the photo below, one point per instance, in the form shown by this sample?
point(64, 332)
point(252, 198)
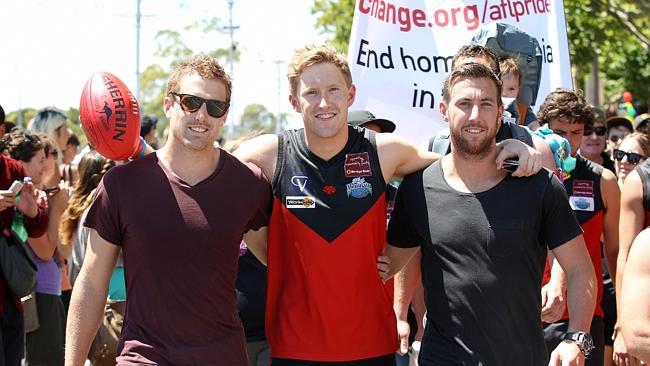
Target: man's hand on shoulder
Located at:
point(530, 160)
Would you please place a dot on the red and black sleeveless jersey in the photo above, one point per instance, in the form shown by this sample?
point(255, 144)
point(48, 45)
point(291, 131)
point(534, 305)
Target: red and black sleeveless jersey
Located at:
point(644, 174)
point(325, 299)
point(583, 189)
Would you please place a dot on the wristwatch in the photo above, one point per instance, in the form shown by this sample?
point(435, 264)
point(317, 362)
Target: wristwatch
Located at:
point(582, 339)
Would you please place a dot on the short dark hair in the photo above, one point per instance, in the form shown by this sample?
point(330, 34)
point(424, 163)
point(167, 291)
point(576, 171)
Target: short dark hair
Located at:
point(2, 116)
point(73, 140)
point(21, 145)
point(566, 103)
point(477, 51)
point(470, 70)
point(148, 123)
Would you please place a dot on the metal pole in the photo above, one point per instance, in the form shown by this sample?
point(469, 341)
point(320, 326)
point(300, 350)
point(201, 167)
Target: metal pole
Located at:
point(137, 53)
point(231, 55)
point(279, 125)
point(231, 29)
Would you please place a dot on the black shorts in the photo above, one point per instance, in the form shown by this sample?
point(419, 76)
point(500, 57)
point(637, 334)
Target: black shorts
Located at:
point(609, 308)
point(387, 360)
point(44, 346)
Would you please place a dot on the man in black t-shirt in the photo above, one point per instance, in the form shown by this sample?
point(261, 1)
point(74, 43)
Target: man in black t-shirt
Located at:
point(484, 237)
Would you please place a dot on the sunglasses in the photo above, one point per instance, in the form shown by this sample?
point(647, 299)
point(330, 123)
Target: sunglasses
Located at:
point(632, 158)
point(191, 103)
point(600, 131)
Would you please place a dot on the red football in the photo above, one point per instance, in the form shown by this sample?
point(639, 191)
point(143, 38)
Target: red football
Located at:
point(110, 116)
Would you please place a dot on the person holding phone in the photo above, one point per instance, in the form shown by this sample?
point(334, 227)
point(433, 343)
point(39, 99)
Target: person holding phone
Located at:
point(35, 222)
point(44, 346)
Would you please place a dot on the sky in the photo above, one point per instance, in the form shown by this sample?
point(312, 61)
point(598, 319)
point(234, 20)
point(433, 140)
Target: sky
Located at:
point(50, 48)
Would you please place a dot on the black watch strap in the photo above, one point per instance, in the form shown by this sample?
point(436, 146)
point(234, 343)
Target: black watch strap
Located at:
point(582, 339)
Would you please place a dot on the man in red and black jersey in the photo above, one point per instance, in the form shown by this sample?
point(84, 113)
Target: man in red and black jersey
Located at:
point(325, 301)
point(594, 197)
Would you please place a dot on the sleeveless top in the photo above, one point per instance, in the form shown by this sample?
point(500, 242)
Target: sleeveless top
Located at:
point(325, 299)
point(583, 189)
point(644, 174)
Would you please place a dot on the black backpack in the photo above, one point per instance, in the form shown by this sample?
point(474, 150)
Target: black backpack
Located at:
point(506, 39)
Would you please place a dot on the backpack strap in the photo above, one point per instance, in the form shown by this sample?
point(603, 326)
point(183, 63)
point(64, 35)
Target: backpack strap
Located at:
point(521, 134)
point(645, 184)
point(440, 143)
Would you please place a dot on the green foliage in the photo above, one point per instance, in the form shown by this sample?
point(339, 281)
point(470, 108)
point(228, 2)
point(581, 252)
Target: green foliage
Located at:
point(335, 19)
point(615, 32)
point(75, 125)
point(256, 120)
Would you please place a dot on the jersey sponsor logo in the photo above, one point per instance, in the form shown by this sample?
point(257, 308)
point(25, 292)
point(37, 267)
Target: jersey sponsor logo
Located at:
point(300, 202)
point(357, 165)
point(299, 181)
point(580, 203)
point(583, 188)
point(358, 188)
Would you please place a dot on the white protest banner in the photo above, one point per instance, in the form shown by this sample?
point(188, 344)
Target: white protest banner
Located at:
point(400, 52)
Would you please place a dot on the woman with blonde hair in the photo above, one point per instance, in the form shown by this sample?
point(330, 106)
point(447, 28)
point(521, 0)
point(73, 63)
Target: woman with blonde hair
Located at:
point(52, 123)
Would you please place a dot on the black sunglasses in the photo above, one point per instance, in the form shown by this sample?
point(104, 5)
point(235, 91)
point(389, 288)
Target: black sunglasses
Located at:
point(191, 103)
point(632, 158)
point(600, 131)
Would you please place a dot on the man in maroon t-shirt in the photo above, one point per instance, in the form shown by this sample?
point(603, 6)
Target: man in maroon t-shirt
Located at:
point(178, 215)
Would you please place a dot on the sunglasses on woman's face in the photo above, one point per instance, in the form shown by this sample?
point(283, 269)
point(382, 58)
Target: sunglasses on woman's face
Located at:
point(632, 158)
point(600, 131)
point(191, 103)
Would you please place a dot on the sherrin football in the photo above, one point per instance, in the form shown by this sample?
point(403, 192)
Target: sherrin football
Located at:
point(110, 116)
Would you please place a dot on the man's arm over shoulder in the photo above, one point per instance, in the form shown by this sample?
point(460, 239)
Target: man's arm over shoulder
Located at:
point(88, 298)
point(611, 195)
point(261, 151)
point(399, 157)
point(635, 302)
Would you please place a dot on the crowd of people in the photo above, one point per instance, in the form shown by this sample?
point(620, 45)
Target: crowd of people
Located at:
point(281, 249)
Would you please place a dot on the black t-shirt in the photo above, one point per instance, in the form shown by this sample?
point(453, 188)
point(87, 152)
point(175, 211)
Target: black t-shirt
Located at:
point(483, 255)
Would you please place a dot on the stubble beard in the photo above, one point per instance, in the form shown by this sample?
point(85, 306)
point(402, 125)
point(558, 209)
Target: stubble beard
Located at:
point(472, 151)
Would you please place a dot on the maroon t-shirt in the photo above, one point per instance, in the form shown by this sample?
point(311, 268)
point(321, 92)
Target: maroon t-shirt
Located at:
point(180, 245)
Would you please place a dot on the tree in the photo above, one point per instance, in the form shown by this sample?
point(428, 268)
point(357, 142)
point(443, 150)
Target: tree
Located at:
point(335, 18)
point(611, 37)
point(256, 118)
